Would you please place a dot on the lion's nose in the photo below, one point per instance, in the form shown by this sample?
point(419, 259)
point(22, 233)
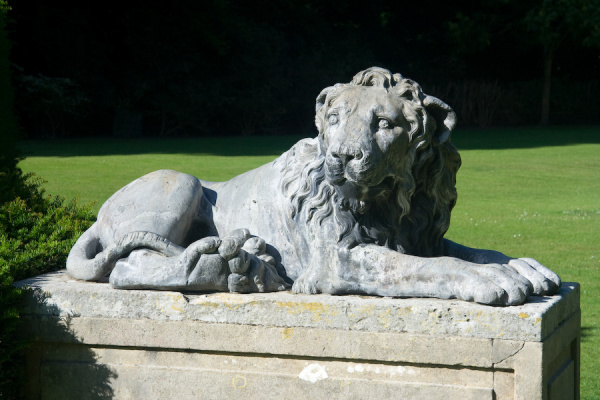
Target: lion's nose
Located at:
point(347, 153)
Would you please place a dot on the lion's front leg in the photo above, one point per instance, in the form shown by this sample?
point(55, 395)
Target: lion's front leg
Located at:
point(375, 270)
point(543, 280)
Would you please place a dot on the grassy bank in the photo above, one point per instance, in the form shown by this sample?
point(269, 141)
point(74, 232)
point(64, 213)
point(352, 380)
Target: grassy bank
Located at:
point(533, 192)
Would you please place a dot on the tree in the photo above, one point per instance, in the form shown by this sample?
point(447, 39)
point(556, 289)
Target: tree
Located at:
point(551, 22)
point(255, 66)
point(508, 29)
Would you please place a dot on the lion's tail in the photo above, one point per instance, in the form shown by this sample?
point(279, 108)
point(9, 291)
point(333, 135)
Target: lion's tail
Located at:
point(88, 261)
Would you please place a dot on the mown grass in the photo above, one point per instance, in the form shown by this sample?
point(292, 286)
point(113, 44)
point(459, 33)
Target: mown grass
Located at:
point(526, 192)
point(93, 169)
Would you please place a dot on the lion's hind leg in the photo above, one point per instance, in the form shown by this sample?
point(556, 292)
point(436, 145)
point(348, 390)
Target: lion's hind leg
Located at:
point(193, 268)
point(236, 263)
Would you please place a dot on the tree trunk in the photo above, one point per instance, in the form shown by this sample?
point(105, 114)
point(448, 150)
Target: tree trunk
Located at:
point(546, 82)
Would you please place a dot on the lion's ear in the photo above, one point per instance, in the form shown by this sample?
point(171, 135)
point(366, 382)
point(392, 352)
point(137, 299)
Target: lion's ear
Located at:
point(445, 117)
point(322, 97)
point(319, 110)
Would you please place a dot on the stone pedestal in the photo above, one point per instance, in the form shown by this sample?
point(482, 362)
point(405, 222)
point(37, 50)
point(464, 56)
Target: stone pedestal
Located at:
point(96, 342)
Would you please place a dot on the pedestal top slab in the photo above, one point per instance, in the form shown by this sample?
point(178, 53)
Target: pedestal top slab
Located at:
point(533, 321)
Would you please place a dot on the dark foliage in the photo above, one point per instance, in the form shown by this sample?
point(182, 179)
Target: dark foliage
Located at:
point(36, 234)
point(242, 67)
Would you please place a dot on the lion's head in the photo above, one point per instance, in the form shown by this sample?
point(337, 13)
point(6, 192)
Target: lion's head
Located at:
point(382, 164)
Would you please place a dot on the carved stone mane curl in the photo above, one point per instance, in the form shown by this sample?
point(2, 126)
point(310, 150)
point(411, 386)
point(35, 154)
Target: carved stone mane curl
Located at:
point(304, 181)
point(424, 192)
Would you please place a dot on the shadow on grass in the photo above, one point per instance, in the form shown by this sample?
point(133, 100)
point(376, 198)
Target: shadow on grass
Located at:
point(516, 138)
point(467, 139)
point(588, 332)
point(225, 146)
point(58, 364)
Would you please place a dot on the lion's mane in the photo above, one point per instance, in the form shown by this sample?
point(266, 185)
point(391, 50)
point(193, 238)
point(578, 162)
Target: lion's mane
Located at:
point(425, 188)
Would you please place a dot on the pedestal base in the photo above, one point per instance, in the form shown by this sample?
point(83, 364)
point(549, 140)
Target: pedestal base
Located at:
point(96, 342)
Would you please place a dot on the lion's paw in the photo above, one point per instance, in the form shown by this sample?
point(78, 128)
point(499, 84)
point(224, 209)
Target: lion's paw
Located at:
point(494, 284)
point(252, 270)
point(232, 243)
point(543, 280)
point(238, 283)
point(254, 275)
point(306, 284)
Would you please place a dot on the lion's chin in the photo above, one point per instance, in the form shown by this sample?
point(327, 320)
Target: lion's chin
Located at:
point(358, 198)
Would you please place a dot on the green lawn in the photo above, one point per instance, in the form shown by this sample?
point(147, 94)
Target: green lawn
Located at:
point(94, 169)
point(527, 192)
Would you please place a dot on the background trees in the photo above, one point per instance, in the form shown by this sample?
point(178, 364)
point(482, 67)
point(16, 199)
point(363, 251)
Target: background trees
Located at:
point(552, 22)
point(255, 66)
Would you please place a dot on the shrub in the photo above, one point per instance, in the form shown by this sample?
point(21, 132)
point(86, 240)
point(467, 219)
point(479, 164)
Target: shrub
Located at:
point(36, 233)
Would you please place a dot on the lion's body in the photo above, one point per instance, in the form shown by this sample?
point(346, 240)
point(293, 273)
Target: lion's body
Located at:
point(362, 208)
point(253, 201)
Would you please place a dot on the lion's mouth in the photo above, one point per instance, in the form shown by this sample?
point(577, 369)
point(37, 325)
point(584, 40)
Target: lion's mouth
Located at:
point(358, 198)
point(338, 174)
point(363, 186)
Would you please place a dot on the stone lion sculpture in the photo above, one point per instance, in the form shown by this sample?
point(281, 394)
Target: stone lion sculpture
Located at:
point(360, 209)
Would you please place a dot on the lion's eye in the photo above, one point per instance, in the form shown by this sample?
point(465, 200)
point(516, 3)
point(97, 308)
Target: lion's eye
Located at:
point(333, 119)
point(384, 124)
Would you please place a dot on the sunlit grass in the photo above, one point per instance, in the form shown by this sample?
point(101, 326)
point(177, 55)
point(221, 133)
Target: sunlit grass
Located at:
point(533, 193)
point(543, 203)
point(93, 169)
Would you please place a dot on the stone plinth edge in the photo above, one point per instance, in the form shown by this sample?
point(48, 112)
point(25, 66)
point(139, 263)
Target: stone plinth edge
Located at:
point(533, 321)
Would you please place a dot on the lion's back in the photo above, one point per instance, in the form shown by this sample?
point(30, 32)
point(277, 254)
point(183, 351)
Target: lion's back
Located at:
point(164, 202)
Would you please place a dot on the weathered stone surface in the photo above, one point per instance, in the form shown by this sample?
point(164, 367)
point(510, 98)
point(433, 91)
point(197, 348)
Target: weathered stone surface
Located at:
point(360, 209)
point(150, 344)
point(533, 321)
